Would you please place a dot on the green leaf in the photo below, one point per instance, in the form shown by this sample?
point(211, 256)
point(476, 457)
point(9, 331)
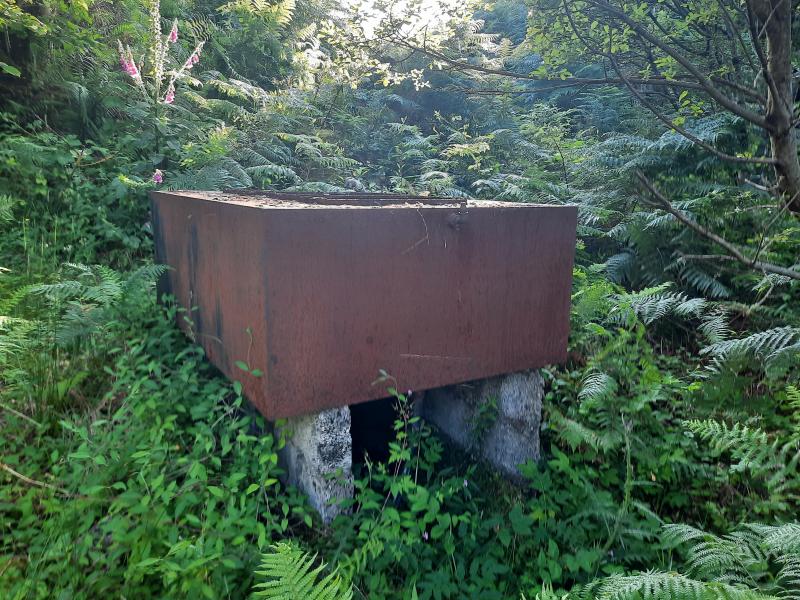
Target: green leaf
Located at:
point(146, 562)
point(520, 522)
point(10, 69)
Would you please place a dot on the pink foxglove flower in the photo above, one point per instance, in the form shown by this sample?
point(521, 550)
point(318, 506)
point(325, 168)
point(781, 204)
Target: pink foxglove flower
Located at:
point(194, 58)
point(173, 34)
point(158, 176)
point(127, 62)
point(169, 98)
point(129, 66)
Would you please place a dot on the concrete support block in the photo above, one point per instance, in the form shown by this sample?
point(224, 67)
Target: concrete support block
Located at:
point(498, 418)
point(318, 458)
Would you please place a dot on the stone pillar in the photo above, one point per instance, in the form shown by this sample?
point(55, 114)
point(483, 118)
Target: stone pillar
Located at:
point(498, 418)
point(318, 458)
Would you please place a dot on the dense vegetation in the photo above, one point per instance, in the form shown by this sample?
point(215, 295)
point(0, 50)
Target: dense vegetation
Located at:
point(130, 468)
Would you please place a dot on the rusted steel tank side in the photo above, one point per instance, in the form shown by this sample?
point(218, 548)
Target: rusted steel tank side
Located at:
point(321, 298)
point(210, 249)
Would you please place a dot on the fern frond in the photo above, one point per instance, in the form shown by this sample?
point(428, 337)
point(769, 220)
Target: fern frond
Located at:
point(654, 303)
point(776, 462)
point(290, 573)
point(657, 585)
point(766, 346)
point(597, 385)
point(6, 205)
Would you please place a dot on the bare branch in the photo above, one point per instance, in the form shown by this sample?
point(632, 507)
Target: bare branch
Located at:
point(755, 38)
point(743, 89)
point(569, 82)
point(461, 65)
point(769, 17)
point(611, 81)
point(659, 200)
point(711, 257)
point(34, 482)
point(687, 134)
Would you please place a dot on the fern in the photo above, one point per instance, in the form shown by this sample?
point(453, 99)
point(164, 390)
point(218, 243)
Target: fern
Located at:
point(269, 172)
point(657, 585)
point(278, 12)
point(317, 186)
point(731, 558)
point(774, 461)
point(597, 386)
point(700, 280)
point(767, 348)
point(652, 304)
point(83, 302)
point(575, 433)
point(715, 326)
point(755, 562)
point(6, 205)
point(289, 573)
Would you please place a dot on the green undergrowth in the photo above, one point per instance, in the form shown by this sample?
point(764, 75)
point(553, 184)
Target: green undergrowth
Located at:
point(160, 486)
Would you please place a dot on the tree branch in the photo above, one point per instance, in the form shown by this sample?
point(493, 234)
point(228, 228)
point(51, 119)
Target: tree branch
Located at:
point(704, 81)
point(712, 257)
point(460, 65)
point(571, 81)
point(734, 36)
point(664, 204)
point(668, 122)
point(34, 482)
point(743, 89)
point(612, 81)
point(754, 37)
point(687, 134)
point(735, 32)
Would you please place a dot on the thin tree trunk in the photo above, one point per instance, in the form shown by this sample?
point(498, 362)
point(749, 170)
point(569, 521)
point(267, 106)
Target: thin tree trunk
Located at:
point(775, 19)
point(787, 169)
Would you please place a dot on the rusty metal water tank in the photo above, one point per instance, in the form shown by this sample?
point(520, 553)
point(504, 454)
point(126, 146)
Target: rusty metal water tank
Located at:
point(319, 292)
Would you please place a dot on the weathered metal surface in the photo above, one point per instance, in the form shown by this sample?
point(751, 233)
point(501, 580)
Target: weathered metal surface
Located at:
point(320, 292)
